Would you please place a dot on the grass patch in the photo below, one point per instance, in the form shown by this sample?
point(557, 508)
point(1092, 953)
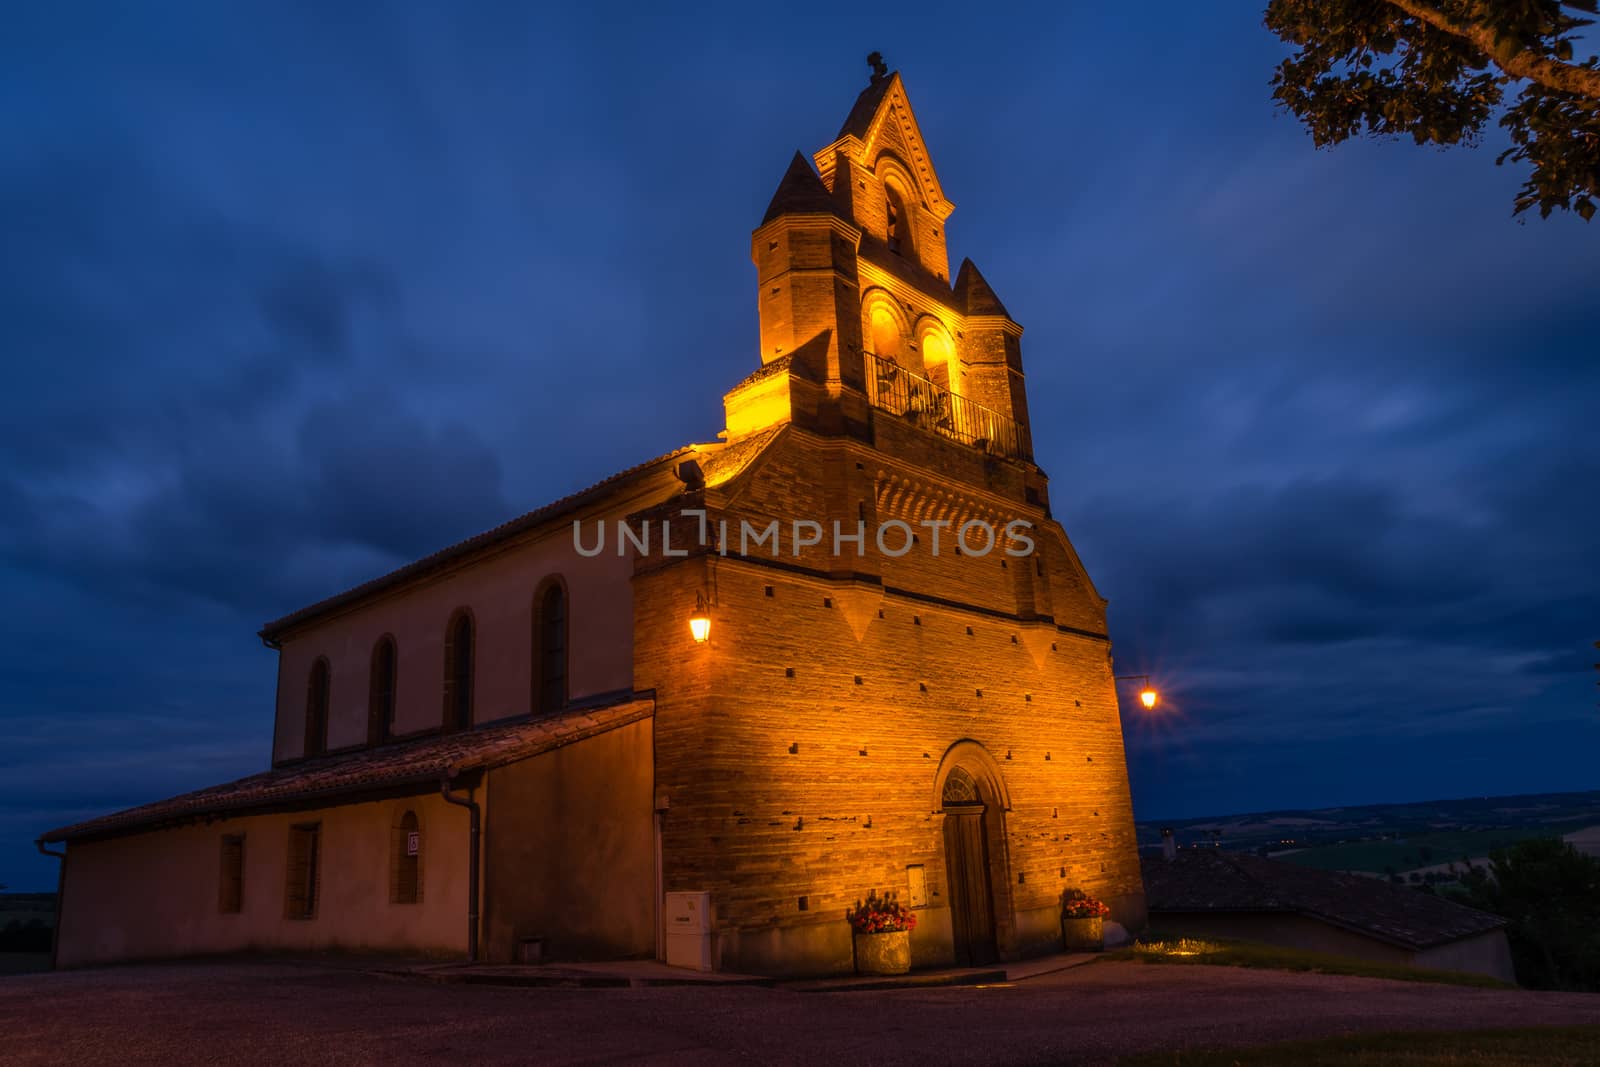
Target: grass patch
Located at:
point(1566, 1046)
point(1273, 957)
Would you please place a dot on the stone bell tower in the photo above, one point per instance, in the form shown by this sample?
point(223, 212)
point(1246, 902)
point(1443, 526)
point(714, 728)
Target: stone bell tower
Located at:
point(857, 309)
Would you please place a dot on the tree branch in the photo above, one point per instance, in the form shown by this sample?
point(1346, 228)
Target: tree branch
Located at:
point(1550, 73)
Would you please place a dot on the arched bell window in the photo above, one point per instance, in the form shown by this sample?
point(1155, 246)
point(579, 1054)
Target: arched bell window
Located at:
point(899, 220)
point(550, 648)
point(318, 691)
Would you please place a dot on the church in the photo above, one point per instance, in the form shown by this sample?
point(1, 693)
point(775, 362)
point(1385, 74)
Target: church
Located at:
point(700, 709)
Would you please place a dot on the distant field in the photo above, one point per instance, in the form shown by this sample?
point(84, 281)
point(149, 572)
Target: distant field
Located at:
point(1587, 840)
point(1421, 850)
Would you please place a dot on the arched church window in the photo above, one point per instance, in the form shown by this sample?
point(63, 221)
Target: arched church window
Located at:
point(550, 648)
point(318, 688)
point(458, 663)
point(405, 881)
point(381, 692)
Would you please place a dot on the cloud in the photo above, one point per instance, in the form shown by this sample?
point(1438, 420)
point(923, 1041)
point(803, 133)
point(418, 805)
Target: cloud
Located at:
point(1319, 423)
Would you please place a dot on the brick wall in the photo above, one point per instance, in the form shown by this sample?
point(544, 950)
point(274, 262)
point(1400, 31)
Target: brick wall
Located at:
point(820, 783)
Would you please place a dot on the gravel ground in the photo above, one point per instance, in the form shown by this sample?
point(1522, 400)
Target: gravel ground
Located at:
point(282, 1012)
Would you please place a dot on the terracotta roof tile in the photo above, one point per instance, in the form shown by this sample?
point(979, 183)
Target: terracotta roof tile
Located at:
point(1213, 880)
point(424, 760)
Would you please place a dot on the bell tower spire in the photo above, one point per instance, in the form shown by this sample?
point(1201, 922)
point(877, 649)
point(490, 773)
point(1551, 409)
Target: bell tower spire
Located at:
point(861, 327)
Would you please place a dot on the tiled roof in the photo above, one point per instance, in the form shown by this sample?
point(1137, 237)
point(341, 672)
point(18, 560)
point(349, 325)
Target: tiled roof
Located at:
point(738, 454)
point(447, 555)
point(425, 760)
point(1201, 880)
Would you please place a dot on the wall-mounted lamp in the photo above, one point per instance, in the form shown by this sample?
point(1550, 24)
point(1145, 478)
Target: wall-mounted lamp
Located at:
point(700, 621)
point(1147, 695)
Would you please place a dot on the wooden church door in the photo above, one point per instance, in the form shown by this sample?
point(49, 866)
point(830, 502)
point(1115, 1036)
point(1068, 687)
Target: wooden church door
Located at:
point(966, 858)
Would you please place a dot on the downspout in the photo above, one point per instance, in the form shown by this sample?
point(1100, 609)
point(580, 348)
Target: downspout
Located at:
point(472, 863)
point(61, 890)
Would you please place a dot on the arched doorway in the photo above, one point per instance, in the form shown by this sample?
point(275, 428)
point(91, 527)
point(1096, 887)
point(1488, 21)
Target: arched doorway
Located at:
point(967, 826)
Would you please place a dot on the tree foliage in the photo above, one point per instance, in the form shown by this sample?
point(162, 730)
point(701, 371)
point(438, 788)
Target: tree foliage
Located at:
point(1549, 894)
point(1439, 70)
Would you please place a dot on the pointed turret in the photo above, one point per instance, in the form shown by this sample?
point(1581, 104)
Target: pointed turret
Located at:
point(992, 347)
point(974, 295)
point(800, 192)
point(810, 313)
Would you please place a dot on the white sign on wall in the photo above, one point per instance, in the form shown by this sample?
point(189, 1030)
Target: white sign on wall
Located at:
point(413, 842)
point(917, 886)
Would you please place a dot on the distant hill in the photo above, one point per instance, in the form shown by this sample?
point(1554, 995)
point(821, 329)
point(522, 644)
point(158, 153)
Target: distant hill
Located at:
point(1390, 838)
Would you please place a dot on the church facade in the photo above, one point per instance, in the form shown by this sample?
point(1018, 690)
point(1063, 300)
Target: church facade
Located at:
point(844, 649)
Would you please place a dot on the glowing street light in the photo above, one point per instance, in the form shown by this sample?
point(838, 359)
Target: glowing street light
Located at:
point(700, 621)
point(1147, 695)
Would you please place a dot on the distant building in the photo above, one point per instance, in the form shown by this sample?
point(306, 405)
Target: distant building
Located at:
point(1206, 893)
point(522, 737)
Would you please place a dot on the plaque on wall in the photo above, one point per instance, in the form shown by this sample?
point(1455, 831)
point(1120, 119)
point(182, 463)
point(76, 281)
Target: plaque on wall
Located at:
point(917, 885)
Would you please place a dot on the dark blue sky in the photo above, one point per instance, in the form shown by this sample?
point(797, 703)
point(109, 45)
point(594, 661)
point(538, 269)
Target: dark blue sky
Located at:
point(293, 295)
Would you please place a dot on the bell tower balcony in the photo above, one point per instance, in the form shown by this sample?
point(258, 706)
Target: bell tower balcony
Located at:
point(933, 408)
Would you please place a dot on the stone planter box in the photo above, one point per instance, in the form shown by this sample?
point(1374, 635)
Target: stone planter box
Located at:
point(1083, 935)
point(888, 953)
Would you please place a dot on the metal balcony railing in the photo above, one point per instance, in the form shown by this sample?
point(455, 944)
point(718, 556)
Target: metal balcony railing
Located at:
point(932, 407)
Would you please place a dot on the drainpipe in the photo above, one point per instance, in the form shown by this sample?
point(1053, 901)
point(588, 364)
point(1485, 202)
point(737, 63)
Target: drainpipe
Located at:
point(61, 889)
point(472, 863)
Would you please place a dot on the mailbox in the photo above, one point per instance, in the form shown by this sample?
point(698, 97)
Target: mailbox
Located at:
point(687, 919)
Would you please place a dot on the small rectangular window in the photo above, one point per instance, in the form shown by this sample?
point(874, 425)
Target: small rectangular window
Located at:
point(230, 888)
point(300, 887)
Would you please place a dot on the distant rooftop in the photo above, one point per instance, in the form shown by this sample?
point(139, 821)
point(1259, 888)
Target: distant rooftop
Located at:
point(1211, 880)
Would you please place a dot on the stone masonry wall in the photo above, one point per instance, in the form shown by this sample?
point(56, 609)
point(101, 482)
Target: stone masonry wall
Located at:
point(799, 746)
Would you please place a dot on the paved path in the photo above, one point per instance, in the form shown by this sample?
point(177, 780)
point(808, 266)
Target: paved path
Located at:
point(278, 1012)
point(644, 973)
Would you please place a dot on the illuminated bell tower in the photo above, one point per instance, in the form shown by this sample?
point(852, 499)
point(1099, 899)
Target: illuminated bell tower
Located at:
point(854, 283)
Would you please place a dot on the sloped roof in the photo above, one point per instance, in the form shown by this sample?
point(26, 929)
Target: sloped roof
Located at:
point(445, 556)
point(1211, 880)
point(421, 762)
point(859, 121)
point(973, 293)
point(800, 192)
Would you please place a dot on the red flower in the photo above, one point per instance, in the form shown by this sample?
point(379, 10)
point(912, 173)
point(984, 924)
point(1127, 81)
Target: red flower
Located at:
point(880, 915)
point(1076, 904)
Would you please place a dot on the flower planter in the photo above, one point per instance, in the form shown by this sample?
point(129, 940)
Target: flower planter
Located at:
point(887, 953)
point(1083, 935)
